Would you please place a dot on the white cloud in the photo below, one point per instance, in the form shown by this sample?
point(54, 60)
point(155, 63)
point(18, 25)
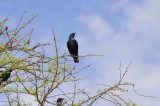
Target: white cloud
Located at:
point(97, 25)
point(144, 19)
point(142, 25)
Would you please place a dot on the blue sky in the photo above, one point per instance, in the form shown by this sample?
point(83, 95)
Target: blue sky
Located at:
point(122, 30)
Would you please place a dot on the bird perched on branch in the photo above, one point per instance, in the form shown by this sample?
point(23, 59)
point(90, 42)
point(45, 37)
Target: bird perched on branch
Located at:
point(4, 75)
point(60, 102)
point(72, 45)
point(6, 28)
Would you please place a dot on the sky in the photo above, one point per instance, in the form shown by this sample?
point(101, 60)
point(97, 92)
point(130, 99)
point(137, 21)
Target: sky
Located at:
point(121, 30)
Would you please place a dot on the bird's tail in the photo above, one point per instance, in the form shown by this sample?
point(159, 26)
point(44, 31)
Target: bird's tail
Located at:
point(76, 59)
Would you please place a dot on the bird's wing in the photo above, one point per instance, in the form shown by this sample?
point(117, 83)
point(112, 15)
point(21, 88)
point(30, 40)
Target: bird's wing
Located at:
point(69, 49)
point(76, 44)
point(72, 47)
point(3, 74)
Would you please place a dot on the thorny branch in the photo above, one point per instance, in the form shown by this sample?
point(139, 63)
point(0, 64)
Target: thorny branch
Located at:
point(42, 76)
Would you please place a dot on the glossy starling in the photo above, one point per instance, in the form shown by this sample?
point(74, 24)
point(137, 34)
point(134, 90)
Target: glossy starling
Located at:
point(4, 75)
point(60, 102)
point(72, 45)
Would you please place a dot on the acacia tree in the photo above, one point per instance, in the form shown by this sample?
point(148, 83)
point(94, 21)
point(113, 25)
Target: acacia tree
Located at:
point(42, 76)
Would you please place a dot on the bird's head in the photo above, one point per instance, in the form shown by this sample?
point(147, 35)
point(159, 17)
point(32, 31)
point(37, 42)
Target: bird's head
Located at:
point(61, 102)
point(10, 70)
point(72, 35)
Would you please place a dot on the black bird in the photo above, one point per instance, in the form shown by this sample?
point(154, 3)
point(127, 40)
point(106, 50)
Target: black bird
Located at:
point(4, 75)
point(72, 45)
point(60, 102)
point(6, 28)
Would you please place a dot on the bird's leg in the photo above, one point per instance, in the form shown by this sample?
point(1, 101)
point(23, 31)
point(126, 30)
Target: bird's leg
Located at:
point(71, 55)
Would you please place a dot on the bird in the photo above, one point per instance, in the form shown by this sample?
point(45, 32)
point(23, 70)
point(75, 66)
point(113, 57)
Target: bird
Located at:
point(72, 46)
point(60, 102)
point(4, 75)
point(6, 28)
